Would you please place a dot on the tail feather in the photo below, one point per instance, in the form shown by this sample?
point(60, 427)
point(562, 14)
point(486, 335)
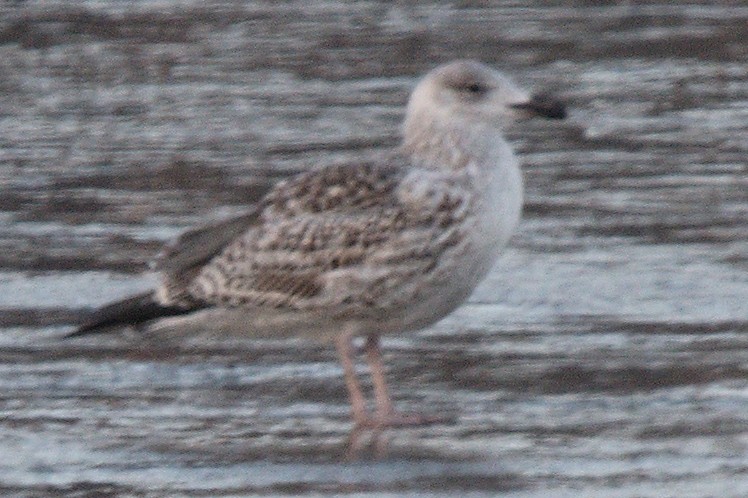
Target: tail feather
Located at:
point(131, 311)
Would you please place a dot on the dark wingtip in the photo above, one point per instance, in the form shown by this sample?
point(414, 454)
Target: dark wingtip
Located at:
point(544, 106)
point(132, 311)
point(87, 329)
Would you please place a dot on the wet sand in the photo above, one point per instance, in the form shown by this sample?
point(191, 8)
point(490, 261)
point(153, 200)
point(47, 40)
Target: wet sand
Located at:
point(606, 355)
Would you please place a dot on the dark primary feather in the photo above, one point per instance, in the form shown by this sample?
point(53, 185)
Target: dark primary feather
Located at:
point(178, 263)
point(130, 311)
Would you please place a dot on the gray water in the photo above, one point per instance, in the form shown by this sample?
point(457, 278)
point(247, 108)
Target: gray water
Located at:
point(606, 354)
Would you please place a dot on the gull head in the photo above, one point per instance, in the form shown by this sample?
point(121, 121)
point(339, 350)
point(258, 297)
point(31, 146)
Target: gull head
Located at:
point(469, 92)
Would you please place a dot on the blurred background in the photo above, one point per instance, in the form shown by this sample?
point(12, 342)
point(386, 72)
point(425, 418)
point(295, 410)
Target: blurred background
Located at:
point(606, 355)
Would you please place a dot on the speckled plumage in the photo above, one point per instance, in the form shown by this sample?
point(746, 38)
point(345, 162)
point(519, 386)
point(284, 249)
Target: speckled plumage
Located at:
point(346, 239)
point(361, 249)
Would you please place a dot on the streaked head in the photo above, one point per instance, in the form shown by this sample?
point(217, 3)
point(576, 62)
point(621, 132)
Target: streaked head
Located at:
point(470, 90)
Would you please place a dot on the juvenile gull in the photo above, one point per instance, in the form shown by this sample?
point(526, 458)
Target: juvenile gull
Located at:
point(363, 249)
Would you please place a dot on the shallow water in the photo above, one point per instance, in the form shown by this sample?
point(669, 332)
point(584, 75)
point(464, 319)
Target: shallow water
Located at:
point(606, 355)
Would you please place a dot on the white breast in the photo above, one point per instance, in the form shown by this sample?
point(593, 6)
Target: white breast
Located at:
point(495, 212)
point(496, 186)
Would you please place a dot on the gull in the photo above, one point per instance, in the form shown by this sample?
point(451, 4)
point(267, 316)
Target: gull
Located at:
point(362, 249)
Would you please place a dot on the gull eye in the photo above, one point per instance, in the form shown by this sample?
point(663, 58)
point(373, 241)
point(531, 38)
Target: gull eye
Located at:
point(468, 85)
point(475, 88)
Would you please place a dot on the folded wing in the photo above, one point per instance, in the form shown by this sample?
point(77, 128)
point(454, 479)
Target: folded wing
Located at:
point(343, 238)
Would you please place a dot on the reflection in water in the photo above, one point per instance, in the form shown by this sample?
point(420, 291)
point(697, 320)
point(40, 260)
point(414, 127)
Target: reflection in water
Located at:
point(368, 443)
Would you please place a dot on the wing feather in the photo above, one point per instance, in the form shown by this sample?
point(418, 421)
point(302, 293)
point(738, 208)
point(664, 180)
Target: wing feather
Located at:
point(181, 260)
point(343, 238)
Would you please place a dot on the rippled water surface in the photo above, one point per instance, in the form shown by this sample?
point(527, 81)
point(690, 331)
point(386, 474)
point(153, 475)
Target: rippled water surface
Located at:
point(606, 355)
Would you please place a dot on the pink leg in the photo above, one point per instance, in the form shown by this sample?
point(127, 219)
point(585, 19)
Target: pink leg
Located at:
point(358, 402)
point(386, 414)
point(385, 408)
